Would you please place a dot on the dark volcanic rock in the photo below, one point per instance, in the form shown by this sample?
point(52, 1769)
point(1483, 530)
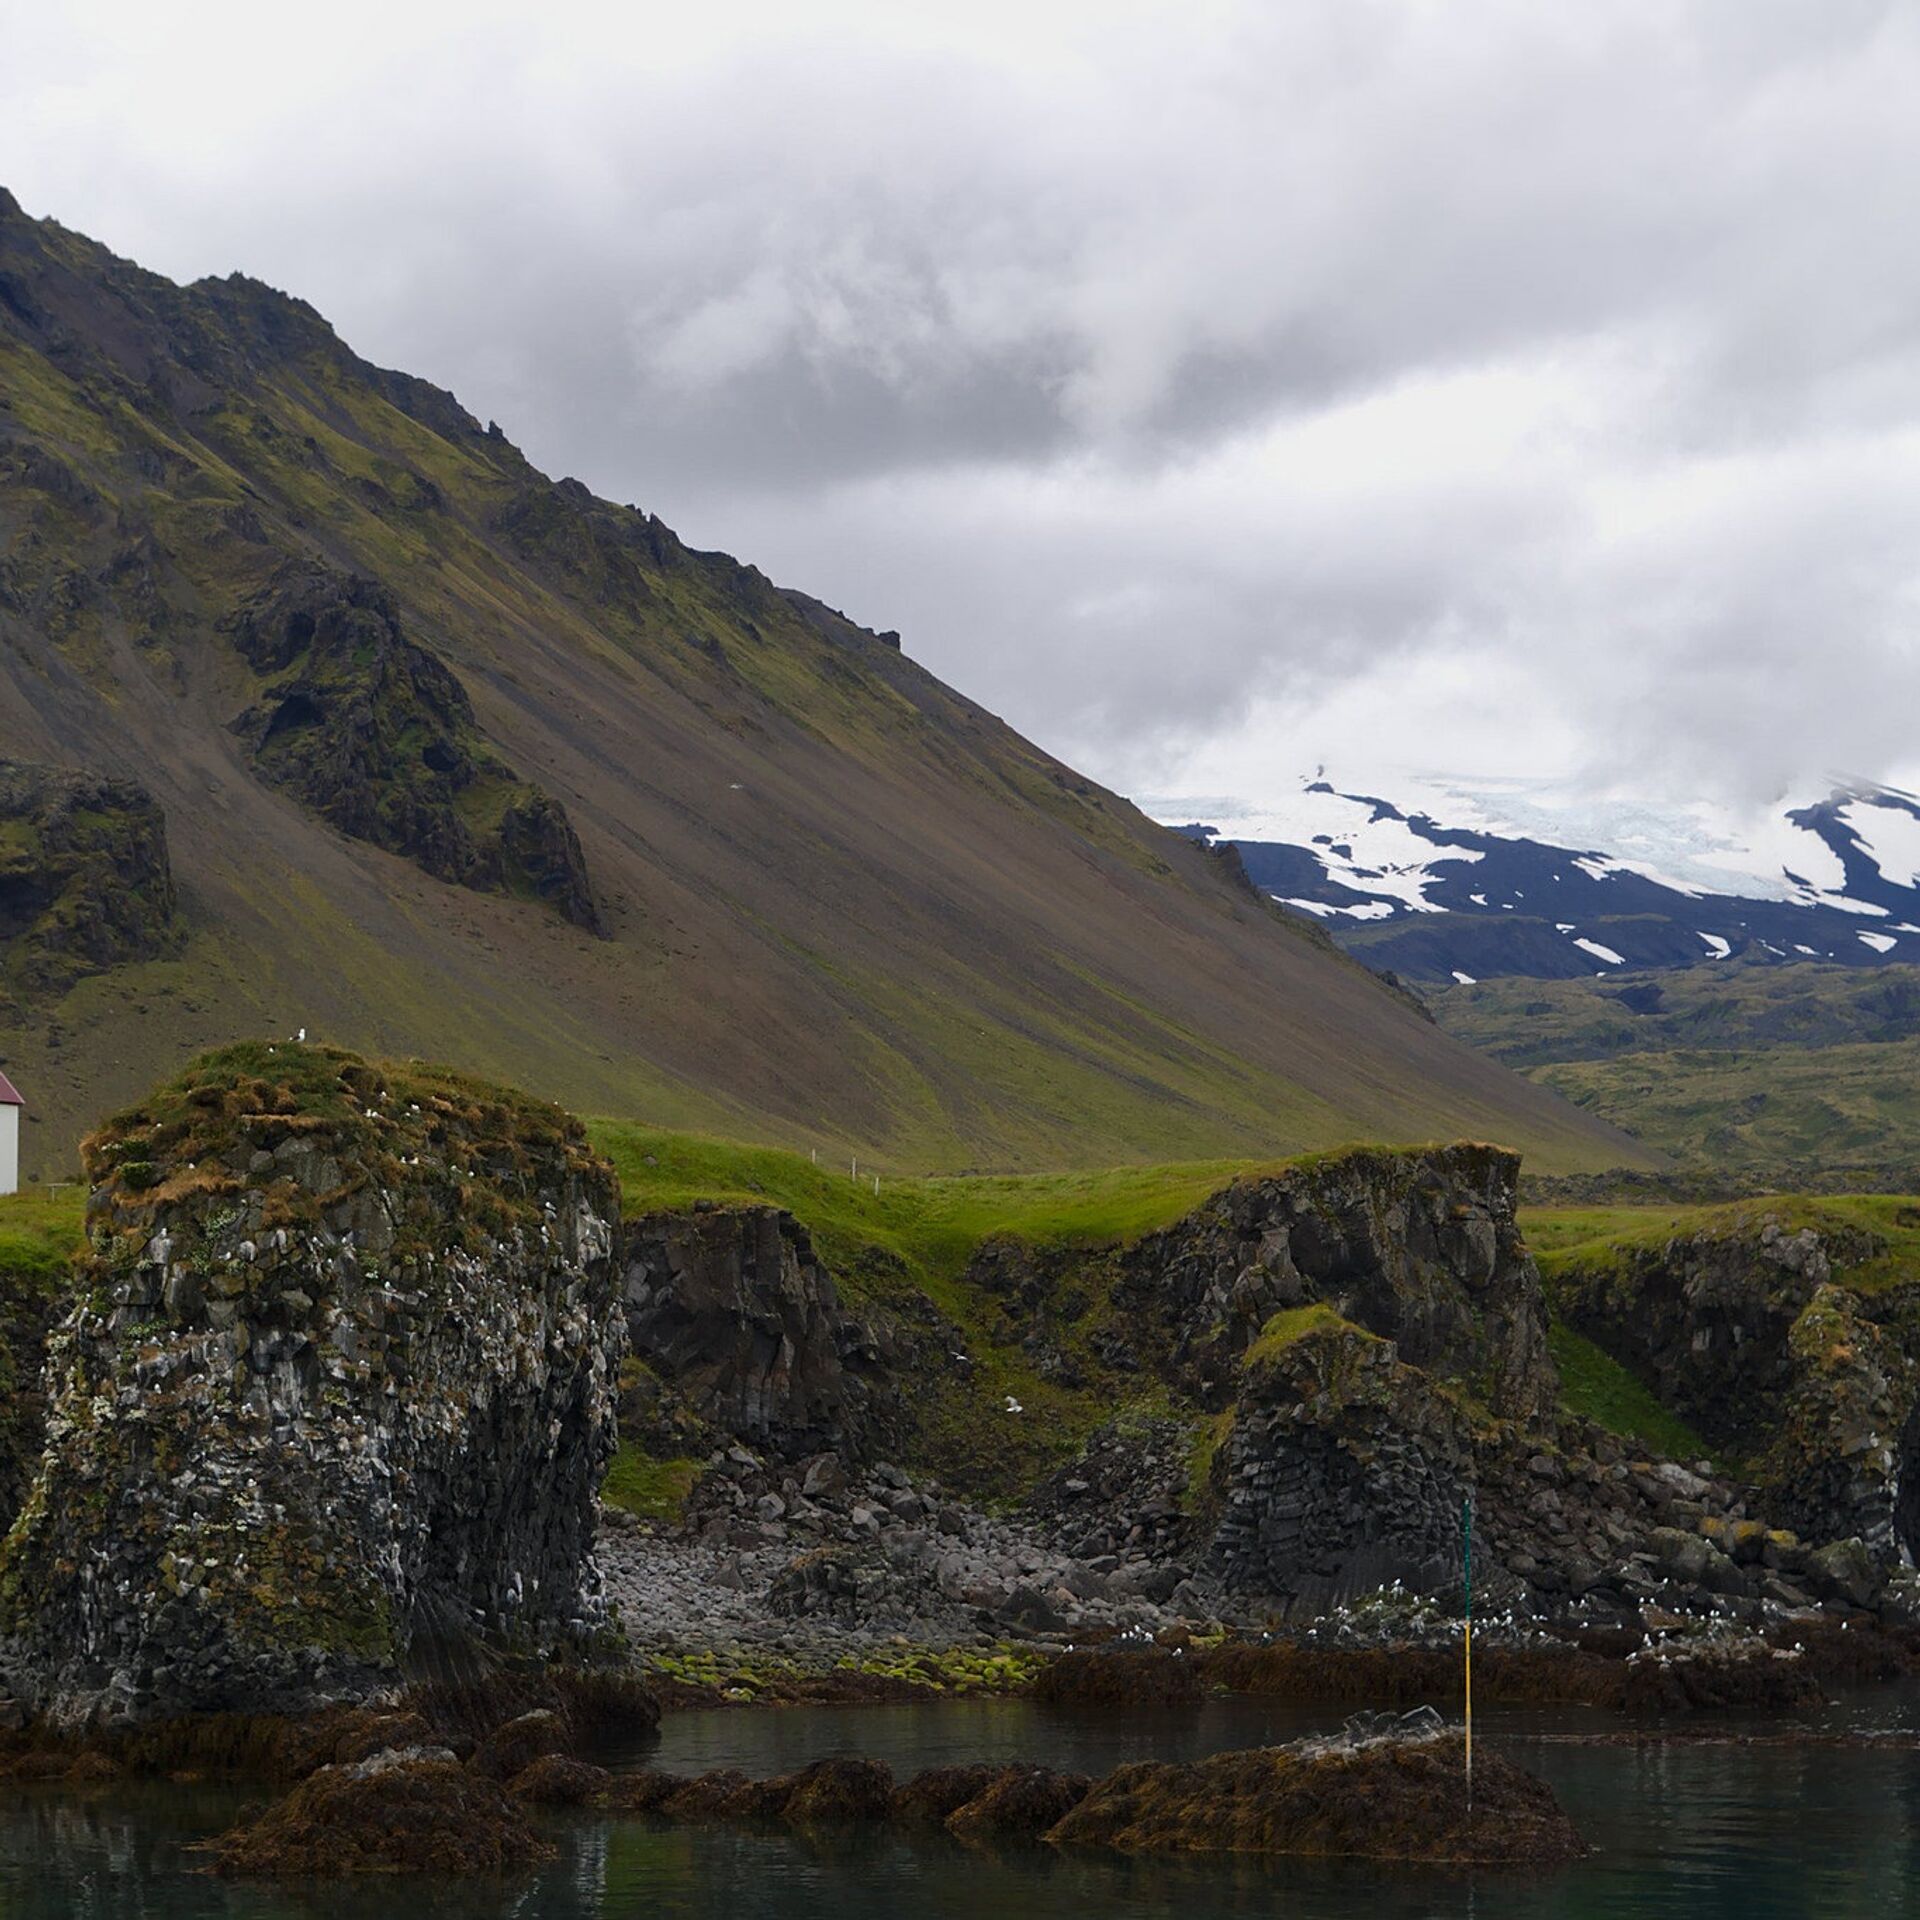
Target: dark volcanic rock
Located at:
point(335, 1396)
point(1419, 1248)
point(732, 1307)
point(84, 879)
point(30, 1302)
point(1751, 1333)
point(375, 733)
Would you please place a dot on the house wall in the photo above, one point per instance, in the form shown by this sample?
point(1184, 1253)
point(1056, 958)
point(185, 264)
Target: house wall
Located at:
point(9, 1149)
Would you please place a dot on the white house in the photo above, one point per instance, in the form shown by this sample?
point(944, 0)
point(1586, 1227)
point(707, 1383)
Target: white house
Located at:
point(10, 1108)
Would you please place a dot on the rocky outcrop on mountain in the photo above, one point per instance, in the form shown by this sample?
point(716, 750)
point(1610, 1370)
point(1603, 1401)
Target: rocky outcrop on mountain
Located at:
point(365, 726)
point(84, 878)
point(732, 1310)
point(1751, 1332)
point(333, 1400)
point(1418, 1247)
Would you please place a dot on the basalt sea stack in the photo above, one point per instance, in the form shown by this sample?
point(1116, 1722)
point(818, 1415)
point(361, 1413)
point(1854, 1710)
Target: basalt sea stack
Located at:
point(333, 1398)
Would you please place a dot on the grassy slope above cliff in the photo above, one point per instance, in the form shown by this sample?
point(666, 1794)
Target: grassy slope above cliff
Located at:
point(1760, 1076)
point(845, 905)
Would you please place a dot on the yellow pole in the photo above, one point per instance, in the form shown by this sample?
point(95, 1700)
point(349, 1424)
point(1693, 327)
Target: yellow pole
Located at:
point(1466, 1521)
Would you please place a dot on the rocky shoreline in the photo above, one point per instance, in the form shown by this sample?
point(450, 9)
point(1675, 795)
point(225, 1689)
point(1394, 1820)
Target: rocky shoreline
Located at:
point(380, 1459)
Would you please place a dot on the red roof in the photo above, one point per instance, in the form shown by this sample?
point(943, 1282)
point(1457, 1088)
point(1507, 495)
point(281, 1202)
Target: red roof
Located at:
point(8, 1097)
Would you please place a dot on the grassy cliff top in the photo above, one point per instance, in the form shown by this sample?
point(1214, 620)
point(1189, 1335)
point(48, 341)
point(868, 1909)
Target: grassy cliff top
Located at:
point(932, 1224)
point(1884, 1227)
point(207, 1132)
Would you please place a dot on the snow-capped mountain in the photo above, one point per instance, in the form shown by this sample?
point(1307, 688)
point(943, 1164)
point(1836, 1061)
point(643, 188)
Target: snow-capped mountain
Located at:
point(1457, 883)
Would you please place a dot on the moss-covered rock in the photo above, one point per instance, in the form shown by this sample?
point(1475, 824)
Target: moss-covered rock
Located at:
point(84, 878)
point(1420, 1247)
point(332, 1402)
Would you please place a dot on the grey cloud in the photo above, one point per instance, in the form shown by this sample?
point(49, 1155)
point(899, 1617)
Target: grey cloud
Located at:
point(1111, 361)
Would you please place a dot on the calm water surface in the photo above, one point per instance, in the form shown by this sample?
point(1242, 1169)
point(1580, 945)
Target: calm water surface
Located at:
point(1691, 1831)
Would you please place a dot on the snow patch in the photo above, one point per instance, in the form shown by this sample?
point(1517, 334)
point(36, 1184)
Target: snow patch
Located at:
point(1879, 942)
point(1602, 953)
point(1888, 830)
point(1716, 946)
point(1465, 979)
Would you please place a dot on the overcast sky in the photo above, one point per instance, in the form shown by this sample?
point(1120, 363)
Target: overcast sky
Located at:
point(1212, 389)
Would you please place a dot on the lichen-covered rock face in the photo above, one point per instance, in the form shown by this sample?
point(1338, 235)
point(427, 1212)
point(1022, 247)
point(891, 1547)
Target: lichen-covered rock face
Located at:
point(732, 1308)
point(1345, 1470)
point(84, 878)
point(1419, 1248)
point(1754, 1336)
point(334, 1399)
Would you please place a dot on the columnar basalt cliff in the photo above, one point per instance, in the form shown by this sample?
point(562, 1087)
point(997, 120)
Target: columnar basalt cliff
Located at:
point(332, 1402)
point(1344, 1469)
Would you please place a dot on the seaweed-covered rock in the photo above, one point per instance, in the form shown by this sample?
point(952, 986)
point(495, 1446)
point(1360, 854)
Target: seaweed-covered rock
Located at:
point(1420, 1248)
point(556, 1781)
point(933, 1795)
point(1344, 1469)
point(1119, 1677)
point(84, 879)
point(408, 1810)
point(1019, 1803)
point(365, 726)
point(1391, 1799)
point(333, 1401)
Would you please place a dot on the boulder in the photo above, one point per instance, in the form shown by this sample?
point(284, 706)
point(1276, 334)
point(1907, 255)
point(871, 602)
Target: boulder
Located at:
point(333, 1401)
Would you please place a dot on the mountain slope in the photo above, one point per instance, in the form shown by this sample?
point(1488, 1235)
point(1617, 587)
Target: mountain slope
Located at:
point(459, 761)
point(1434, 896)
